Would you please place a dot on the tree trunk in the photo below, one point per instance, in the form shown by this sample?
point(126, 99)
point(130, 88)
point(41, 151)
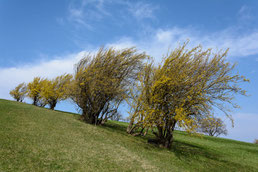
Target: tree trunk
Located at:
point(168, 140)
point(88, 118)
point(130, 127)
point(169, 135)
point(165, 135)
point(53, 104)
point(35, 101)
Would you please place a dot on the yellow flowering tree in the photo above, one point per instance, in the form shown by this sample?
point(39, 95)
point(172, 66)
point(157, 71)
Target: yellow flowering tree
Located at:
point(19, 92)
point(55, 90)
point(34, 88)
point(102, 82)
point(182, 90)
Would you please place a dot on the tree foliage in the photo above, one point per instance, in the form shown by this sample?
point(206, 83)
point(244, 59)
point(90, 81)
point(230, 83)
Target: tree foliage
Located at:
point(19, 92)
point(55, 90)
point(183, 89)
point(102, 82)
point(212, 126)
point(34, 89)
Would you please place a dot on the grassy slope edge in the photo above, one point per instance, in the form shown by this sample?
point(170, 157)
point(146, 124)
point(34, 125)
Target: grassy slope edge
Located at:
point(38, 139)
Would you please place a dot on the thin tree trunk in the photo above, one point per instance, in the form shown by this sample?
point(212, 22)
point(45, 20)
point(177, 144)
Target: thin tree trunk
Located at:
point(130, 127)
point(169, 134)
point(35, 101)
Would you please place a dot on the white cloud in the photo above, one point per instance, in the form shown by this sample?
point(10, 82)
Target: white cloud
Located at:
point(11, 77)
point(157, 44)
point(164, 36)
point(123, 43)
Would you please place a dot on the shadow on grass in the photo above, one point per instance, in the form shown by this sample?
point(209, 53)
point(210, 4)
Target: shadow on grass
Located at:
point(71, 113)
point(190, 154)
point(120, 127)
point(114, 126)
point(184, 151)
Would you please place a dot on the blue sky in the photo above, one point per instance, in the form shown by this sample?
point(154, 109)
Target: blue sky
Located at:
point(46, 38)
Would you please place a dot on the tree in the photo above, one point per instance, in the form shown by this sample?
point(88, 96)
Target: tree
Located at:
point(116, 117)
point(19, 92)
point(34, 89)
point(55, 90)
point(102, 82)
point(184, 88)
point(140, 99)
point(212, 126)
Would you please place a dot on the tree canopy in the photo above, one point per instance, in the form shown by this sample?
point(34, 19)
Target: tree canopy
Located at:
point(19, 92)
point(102, 82)
point(184, 88)
point(56, 89)
point(34, 90)
point(212, 126)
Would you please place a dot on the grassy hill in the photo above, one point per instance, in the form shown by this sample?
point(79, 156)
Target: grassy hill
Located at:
point(38, 139)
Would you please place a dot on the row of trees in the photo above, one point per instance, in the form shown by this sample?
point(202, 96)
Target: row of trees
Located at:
point(44, 91)
point(182, 90)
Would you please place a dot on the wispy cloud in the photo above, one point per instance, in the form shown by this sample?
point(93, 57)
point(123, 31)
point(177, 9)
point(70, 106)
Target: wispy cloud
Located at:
point(142, 10)
point(87, 12)
point(157, 44)
point(76, 16)
point(244, 13)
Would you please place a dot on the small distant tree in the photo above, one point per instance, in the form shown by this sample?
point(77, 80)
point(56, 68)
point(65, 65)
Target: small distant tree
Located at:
point(184, 88)
point(19, 92)
point(55, 90)
point(102, 81)
point(256, 141)
point(127, 119)
point(116, 117)
point(213, 126)
point(34, 88)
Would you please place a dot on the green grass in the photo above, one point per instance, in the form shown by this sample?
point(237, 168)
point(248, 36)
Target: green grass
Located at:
point(38, 139)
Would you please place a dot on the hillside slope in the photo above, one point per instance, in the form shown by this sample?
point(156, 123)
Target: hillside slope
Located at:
point(38, 139)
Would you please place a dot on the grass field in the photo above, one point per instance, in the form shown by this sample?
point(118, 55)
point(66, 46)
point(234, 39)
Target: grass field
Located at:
point(38, 139)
